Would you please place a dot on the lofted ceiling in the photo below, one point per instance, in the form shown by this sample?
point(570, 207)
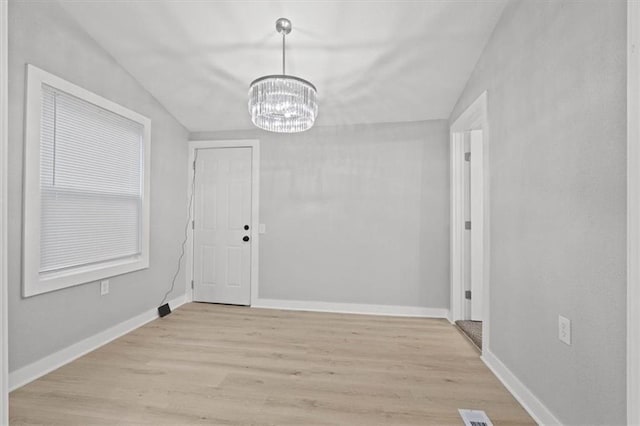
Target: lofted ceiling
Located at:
point(371, 61)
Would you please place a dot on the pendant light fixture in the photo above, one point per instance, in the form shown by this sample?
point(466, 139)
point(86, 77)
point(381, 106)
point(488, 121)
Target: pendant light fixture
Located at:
point(283, 103)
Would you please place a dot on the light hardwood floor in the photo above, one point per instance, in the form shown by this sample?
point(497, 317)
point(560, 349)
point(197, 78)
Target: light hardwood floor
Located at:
point(227, 365)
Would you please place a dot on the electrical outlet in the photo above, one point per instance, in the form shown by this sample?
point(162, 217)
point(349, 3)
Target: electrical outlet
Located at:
point(564, 329)
point(104, 287)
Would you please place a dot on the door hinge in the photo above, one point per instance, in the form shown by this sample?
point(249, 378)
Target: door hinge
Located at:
point(467, 156)
point(193, 224)
point(194, 165)
point(191, 283)
point(467, 225)
point(467, 294)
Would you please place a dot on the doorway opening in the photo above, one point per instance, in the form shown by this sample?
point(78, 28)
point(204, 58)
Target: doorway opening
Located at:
point(469, 223)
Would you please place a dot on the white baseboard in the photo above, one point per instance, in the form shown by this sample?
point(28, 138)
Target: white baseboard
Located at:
point(525, 397)
point(51, 362)
point(351, 308)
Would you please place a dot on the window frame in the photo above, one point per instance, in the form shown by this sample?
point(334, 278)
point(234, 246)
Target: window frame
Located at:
point(33, 281)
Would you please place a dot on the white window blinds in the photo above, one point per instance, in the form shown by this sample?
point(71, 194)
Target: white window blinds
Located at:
point(91, 183)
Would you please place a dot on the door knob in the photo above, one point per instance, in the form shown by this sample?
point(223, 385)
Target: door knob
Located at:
point(245, 238)
point(246, 227)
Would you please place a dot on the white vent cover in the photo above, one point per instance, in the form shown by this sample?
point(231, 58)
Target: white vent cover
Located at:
point(475, 418)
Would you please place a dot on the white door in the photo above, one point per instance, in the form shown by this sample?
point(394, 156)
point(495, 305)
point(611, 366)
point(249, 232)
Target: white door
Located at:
point(476, 216)
point(466, 275)
point(221, 234)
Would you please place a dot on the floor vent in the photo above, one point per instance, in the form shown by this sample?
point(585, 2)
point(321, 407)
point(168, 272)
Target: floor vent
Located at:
point(475, 418)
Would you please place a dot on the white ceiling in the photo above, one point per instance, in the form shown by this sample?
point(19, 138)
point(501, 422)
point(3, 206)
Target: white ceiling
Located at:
point(371, 61)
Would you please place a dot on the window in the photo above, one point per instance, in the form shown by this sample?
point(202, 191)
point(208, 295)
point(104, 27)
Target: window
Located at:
point(86, 211)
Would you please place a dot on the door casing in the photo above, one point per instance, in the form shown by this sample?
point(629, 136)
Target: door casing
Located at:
point(633, 212)
point(254, 144)
point(4, 120)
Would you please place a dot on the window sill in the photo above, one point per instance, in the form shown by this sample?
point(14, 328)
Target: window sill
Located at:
point(44, 283)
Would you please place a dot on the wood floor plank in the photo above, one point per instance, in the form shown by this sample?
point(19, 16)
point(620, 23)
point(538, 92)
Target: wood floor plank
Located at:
point(229, 365)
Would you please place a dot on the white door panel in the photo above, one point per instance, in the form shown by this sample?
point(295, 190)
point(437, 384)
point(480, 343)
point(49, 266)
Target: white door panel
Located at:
point(466, 252)
point(477, 233)
point(222, 260)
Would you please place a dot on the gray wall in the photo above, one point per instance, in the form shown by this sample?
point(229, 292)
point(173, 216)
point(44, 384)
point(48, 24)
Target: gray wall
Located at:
point(555, 74)
point(42, 34)
point(355, 214)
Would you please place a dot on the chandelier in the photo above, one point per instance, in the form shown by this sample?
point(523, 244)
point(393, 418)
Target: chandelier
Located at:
point(283, 103)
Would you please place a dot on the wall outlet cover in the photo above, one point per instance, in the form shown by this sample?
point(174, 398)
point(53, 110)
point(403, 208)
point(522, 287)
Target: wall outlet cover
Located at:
point(104, 287)
point(564, 329)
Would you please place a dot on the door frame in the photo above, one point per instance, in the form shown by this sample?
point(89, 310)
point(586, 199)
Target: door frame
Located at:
point(633, 212)
point(254, 144)
point(475, 117)
point(4, 122)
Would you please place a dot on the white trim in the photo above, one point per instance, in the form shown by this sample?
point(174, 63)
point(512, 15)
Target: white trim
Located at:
point(536, 409)
point(4, 335)
point(351, 308)
point(633, 212)
point(474, 117)
point(56, 360)
point(254, 144)
point(33, 281)
point(456, 275)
